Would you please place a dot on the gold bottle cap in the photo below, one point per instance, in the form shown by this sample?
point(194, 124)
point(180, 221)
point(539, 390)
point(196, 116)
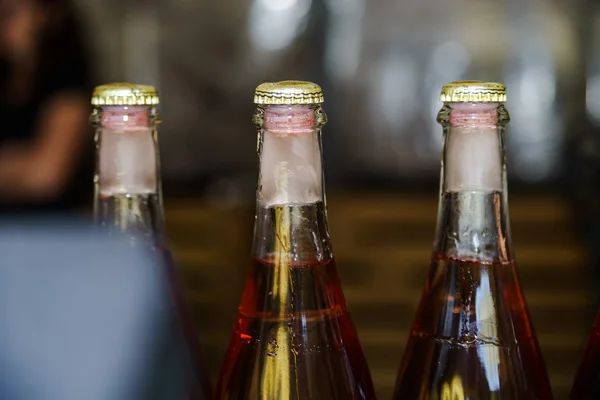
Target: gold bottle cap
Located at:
point(125, 94)
point(288, 92)
point(473, 92)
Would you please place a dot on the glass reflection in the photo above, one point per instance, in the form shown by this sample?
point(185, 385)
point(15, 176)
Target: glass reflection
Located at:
point(488, 332)
point(343, 38)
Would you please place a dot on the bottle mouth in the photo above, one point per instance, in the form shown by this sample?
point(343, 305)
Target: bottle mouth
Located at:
point(125, 117)
point(290, 119)
point(469, 114)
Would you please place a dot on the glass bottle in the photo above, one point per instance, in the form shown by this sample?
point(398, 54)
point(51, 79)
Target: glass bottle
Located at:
point(293, 337)
point(128, 195)
point(472, 337)
point(587, 380)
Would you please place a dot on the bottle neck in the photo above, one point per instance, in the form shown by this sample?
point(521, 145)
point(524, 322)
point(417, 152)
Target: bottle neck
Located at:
point(473, 220)
point(291, 218)
point(127, 180)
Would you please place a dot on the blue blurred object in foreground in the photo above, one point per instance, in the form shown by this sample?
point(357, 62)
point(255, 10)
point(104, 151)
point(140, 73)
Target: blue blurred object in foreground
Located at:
point(83, 315)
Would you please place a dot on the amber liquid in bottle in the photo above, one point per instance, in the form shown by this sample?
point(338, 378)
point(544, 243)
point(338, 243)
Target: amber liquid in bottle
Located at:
point(293, 337)
point(472, 336)
point(587, 380)
point(128, 198)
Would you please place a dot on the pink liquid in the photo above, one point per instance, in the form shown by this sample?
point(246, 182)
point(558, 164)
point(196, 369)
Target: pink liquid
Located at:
point(472, 337)
point(294, 340)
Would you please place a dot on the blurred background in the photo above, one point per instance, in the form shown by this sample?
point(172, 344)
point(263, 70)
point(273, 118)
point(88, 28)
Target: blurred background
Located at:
point(381, 65)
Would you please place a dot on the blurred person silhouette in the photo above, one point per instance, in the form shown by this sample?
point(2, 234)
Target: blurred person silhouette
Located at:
point(84, 316)
point(44, 96)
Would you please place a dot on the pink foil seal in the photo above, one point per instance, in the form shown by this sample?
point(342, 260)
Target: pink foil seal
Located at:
point(469, 114)
point(127, 157)
point(473, 155)
point(290, 119)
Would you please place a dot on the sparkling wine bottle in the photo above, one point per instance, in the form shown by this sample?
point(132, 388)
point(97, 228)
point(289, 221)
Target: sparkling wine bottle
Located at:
point(128, 195)
point(472, 336)
point(587, 380)
point(293, 337)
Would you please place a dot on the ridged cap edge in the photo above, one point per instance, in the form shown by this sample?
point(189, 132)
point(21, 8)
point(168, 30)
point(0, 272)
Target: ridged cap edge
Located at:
point(473, 92)
point(124, 94)
point(288, 92)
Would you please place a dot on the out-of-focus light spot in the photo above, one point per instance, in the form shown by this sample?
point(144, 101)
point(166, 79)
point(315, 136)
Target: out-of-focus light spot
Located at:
point(125, 118)
point(396, 88)
point(344, 36)
point(592, 98)
point(448, 62)
point(278, 5)
point(534, 134)
point(535, 89)
point(274, 24)
point(534, 130)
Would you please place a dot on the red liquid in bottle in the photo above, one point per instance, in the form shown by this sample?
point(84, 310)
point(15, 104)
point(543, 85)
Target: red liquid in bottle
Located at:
point(587, 381)
point(472, 337)
point(307, 349)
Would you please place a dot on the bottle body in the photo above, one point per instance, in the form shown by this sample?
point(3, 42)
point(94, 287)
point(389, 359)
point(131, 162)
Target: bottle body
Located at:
point(128, 197)
point(293, 337)
point(462, 345)
point(472, 336)
point(587, 381)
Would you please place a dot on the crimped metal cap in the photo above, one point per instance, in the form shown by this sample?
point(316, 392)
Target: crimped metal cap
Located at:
point(288, 92)
point(125, 94)
point(473, 92)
